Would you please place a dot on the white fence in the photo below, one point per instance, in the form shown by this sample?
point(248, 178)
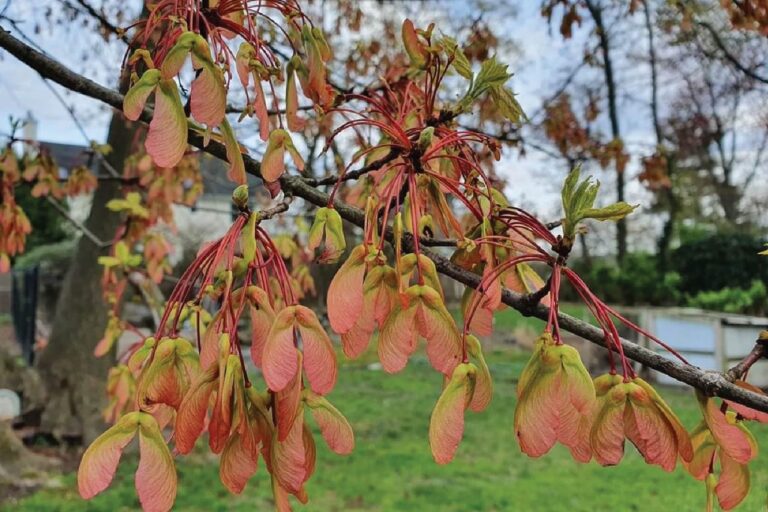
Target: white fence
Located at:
point(712, 341)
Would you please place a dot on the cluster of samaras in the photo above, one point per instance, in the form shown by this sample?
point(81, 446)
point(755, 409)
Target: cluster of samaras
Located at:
point(169, 378)
point(42, 173)
point(192, 376)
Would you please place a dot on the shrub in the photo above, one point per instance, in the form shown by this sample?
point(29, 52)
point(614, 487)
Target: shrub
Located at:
point(718, 261)
point(636, 282)
point(753, 300)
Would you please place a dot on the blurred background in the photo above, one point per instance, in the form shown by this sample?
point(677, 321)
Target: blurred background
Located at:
point(663, 101)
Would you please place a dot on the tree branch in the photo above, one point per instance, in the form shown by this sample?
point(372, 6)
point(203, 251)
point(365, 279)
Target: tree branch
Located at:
point(729, 56)
point(78, 225)
point(711, 382)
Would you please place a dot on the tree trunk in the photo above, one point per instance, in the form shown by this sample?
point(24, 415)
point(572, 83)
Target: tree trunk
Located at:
point(19, 467)
point(596, 11)
point(665, 240)
point(74, 378)
point(673, 205)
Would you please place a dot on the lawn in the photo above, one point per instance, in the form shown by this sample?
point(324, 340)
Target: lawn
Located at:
point(391, 468)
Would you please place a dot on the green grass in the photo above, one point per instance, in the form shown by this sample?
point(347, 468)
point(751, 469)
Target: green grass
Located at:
point(391, 468)
point(508, 319)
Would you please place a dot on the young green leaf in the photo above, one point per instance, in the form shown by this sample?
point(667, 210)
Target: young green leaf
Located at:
point(460, 62)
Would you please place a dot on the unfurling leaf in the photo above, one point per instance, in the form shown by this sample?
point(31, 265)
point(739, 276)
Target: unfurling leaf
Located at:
point(490, 79)
point(578, 201)
point(327, 230)
point(616, 211)
point(460, 62)
point(112, 333)
point(556, 400)
point(446, 427)
point(505, 101)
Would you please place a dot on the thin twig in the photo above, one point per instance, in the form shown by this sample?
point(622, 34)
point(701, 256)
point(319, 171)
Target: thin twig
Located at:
point(759, 351)
point(79, 225)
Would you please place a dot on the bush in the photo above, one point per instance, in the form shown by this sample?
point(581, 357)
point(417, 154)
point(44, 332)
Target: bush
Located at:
point(753, 300)
point(715, 262)
point(636, 282)
point(50, 256)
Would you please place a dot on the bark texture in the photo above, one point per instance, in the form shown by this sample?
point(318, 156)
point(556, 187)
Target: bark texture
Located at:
point(74, 378)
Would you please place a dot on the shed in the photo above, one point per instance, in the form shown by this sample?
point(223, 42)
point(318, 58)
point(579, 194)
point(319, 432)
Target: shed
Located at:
point(707, 339)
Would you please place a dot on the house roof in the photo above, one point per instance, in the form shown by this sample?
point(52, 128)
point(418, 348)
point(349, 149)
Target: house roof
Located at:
point(68, 156)
point(213, 170)
point(215, 181)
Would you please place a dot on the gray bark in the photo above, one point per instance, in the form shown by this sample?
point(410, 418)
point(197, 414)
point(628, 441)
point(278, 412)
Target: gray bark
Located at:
point(75, 379)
